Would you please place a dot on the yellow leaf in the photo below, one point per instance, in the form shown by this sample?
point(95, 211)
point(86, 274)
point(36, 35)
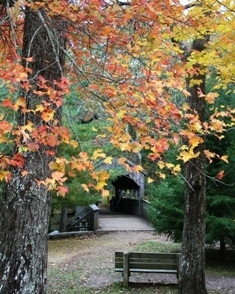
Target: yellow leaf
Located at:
point(121, 113)
point(100, 185)
point(187, 155)
point(149, 180)
point(85, 187)
point(73, 143)
point(195, 141)
point(161, 164)
point(108, 160)
point(103, 176)
point(124, 146)
point(169, 165)
point(98, 153)
point(39, 108)
point(162, 175)
point(28, 127)
point(224, 158)
point(4, 175)
point(177, 169)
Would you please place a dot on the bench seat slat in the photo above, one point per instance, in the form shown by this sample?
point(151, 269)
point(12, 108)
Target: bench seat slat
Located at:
point(152, 266)
point(148, 271)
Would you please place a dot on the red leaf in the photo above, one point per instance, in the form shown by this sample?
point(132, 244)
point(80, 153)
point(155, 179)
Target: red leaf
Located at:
point(220, 175)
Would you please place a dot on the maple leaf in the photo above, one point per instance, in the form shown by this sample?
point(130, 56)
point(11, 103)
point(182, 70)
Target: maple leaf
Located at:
point(224, 158)
point(220, 175)
point(85, 187)
point(47, 115)
point(28, 127)
point(8, 103)
point(5, 127)
point(24, 173)
point(105, 193)
point(195, 140)
point(137, 168)
point(21, 102)
point(17, 160)
point(33, 146)
point(161, 164)
point(98, 153)
point(5, 175)
point(186, 155)
point(210, 97)
point(52, 140)
point(100, 185)
point(161, 175)
point(108, 160)
point(62, 191)
point(209, 155)
point(149, 180)
point(58, 176)
point(176, 169)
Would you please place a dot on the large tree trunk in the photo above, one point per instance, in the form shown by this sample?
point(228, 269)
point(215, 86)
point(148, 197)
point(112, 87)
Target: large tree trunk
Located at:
point(193, 246)
point(25, 204)
point(192, 278)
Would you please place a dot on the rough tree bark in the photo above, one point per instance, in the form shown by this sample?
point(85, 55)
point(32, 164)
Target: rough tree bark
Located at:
point(192, 278)
point(25, 204)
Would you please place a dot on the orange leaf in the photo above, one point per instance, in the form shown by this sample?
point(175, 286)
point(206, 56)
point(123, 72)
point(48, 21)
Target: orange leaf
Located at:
point(47, 115)
point(105, 193)
point(24, 173)
point(62, 190)
point(58, 176)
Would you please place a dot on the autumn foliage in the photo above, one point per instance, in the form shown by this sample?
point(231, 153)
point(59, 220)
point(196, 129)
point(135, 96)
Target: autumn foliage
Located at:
point(129, 58)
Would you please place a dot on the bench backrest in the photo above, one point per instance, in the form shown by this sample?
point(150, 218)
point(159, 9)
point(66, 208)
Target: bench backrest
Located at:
point(151, 261)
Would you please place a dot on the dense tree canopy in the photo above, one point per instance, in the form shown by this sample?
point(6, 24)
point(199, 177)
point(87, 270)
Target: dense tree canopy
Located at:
point(131, 59)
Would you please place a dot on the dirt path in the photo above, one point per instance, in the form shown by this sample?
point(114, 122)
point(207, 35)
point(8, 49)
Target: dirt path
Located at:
point(91, 259)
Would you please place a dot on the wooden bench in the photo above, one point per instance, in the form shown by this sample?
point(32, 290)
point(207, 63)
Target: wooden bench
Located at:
point(159, 263)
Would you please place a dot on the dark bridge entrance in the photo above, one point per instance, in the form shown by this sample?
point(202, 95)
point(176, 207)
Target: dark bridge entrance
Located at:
point(126, 197)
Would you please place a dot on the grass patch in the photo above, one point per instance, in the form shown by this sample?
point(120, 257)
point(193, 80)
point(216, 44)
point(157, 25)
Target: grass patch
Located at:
point(154, 246)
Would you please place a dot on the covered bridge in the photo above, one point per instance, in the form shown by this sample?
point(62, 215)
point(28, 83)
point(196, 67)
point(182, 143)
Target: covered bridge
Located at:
point(129, 187)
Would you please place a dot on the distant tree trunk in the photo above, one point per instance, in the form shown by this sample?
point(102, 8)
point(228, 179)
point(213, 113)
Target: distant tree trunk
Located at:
point(63, 219)
point(222, 245)
point(25, 204)
point(192, 278)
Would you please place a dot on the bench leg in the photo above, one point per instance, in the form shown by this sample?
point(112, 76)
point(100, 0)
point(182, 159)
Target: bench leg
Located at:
point(125, 269)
